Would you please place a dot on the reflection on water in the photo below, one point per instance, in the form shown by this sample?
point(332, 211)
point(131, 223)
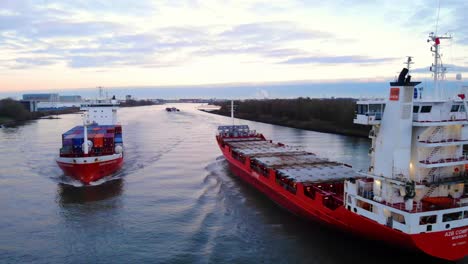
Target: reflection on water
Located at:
point(84, 194)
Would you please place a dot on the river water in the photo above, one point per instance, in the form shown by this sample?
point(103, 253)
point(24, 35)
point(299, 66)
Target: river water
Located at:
point(174, 201)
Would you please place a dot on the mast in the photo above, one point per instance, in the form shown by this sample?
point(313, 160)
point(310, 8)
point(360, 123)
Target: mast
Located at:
point(101, 93)
point(437, 67)
point(232, 112)
point(85, 139)
point(408, 62)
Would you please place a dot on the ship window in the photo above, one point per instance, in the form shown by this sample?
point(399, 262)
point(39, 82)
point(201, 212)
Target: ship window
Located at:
point(364, 205)
point(455, 108)
point(428, 219)
point(362, 109)
point(398, 218)
point(416, 109)
point(426, 109)
point(287, 184)
point(331, 202)
point(452, 217)
point(465, 214)
point(375, 108)
point(259, 168)
point(462, 108)
point(309, 192)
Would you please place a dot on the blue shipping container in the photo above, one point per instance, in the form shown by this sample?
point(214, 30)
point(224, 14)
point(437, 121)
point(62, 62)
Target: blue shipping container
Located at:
point(78, 141)
point(118, 139)
point(67, 142)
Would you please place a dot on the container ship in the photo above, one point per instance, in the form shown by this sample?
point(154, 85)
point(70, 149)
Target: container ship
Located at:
point(415, 192)
point(95, 149)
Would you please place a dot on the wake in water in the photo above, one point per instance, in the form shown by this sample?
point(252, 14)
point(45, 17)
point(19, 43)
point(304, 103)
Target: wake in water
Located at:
point(71, 194)
point(63, 179)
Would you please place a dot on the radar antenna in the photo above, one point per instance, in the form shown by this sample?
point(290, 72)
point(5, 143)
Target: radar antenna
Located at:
point(408, 62)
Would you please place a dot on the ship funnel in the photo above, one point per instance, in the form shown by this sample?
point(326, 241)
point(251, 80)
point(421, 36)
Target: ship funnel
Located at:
point(404, 80)
point(401, 77)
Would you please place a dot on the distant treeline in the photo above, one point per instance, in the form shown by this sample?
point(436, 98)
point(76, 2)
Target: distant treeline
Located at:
point(323, 115)
point(13, 111)
point(130, 103)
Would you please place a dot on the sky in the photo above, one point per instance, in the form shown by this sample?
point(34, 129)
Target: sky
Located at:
point(73, 44)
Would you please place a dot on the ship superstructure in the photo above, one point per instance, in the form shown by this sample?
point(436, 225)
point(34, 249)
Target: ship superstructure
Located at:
point(413, 194)
point(95, 149)
point(416, 181)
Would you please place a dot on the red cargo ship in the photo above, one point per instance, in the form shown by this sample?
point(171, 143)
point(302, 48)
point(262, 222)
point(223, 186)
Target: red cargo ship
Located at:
point(94, 150)
point(415, 193)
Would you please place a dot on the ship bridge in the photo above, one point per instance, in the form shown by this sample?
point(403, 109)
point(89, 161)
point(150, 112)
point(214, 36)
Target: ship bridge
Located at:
point(369, 112)
point(425, 113)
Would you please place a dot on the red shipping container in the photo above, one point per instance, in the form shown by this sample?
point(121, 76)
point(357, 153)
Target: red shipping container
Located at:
point(98, 140)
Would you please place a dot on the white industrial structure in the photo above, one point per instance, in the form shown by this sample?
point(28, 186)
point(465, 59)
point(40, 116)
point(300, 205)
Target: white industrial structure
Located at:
point(417, 177)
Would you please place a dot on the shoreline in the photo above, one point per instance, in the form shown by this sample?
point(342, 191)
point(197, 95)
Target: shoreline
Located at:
point(8, 121)
point(326, 115)
point(332, 129)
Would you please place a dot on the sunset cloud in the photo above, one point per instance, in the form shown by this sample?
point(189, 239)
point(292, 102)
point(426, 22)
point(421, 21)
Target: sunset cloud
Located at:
point(158, 42)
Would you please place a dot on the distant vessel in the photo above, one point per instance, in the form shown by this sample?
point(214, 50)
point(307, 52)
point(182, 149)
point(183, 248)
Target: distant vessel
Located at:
point(208, 107)
point(172, 109)
point(415, 193)
point(94, 150)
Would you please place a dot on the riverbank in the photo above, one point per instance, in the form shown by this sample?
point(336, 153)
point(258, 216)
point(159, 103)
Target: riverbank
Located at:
point(321, 115)
point(12, 112)
point(134, 103)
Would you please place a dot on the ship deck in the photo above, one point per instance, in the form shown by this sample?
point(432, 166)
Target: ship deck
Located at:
point(289, 162)
point(292, 165)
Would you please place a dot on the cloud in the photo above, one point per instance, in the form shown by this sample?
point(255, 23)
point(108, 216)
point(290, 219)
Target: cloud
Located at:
point(121, 50)
point(277, 31)
point(281, 53)
point(266, 51)
point(138, 8)
point(452, 68)
point(112, 61)
point(96, 50)
point(336, 60)
point(35, 61)
point(82, 34)
point(64, 28)
point(264, 39)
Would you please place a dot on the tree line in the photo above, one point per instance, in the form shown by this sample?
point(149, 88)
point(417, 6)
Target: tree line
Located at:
point(11, 111)
point(131, 103)
point(324, 115)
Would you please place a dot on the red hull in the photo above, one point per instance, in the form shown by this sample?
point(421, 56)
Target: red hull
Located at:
point(450, 245)
point(90, 172)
